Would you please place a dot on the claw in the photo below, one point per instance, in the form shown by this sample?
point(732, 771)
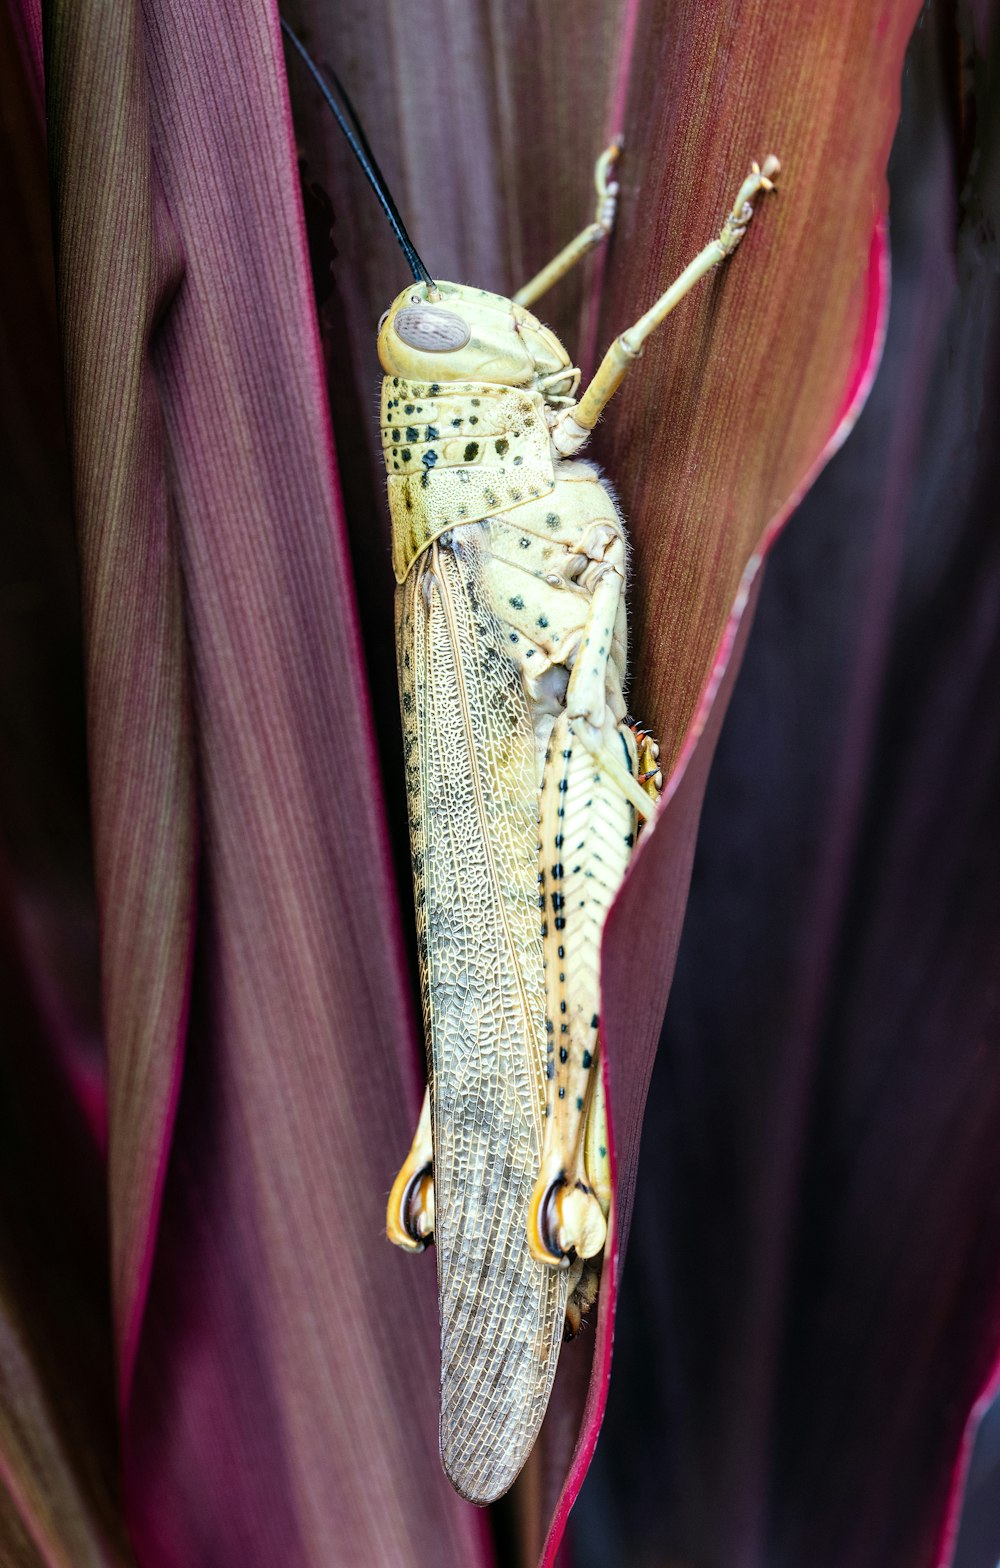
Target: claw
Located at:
point(759, 179)
point(605, 163)
point(606, 188)
point(649, 773)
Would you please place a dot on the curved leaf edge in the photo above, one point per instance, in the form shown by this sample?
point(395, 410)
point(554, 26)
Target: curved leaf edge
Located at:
point(944, 1546)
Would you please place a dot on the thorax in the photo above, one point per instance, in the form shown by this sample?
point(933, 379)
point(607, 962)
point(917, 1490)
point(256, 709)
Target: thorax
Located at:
point(456, 452)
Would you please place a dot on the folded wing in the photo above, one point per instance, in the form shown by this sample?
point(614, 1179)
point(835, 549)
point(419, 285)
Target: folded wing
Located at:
point(473, 805)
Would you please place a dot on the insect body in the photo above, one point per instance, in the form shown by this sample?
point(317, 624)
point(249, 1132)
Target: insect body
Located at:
point(525, 788)
point(492, 614)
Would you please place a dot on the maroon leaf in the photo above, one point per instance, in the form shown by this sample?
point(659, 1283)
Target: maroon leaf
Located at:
point(58, 1444)
point(274, 1386)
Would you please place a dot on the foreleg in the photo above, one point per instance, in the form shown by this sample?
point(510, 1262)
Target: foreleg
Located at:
point(588, 238)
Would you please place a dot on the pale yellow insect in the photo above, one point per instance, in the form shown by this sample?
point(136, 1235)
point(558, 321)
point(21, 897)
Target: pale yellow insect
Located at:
point(525, 784)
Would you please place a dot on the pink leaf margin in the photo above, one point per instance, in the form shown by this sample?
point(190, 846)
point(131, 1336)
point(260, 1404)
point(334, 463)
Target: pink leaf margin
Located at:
point(944, 1549)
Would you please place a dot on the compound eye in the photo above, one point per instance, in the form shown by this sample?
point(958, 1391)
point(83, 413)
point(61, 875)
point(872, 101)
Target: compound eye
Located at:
point(431, 329)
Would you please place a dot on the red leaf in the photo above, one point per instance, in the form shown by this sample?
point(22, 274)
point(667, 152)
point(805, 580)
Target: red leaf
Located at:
point(813, 1296)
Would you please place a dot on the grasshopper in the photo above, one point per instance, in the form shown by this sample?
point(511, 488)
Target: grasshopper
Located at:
point(526, 786)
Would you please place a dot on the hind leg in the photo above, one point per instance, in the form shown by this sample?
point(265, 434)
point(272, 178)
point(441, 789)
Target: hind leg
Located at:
point(587, 829)
point(409, 1221)
point(587, 832)
point(585, 1275)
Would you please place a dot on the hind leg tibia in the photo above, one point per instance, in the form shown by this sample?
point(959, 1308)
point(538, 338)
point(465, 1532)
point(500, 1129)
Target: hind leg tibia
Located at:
point(586, 832)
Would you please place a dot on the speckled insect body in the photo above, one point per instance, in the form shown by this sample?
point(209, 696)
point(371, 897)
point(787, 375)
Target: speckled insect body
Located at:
point(525, 787)
point(496, 609)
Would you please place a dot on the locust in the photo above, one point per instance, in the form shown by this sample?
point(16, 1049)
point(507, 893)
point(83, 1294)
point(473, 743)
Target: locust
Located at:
point(526, 787)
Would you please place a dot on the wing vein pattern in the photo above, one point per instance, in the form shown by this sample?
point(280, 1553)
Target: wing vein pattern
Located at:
point(473, 803)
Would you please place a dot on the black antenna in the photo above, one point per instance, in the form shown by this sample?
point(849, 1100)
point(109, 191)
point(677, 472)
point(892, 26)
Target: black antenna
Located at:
point(358, 143)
